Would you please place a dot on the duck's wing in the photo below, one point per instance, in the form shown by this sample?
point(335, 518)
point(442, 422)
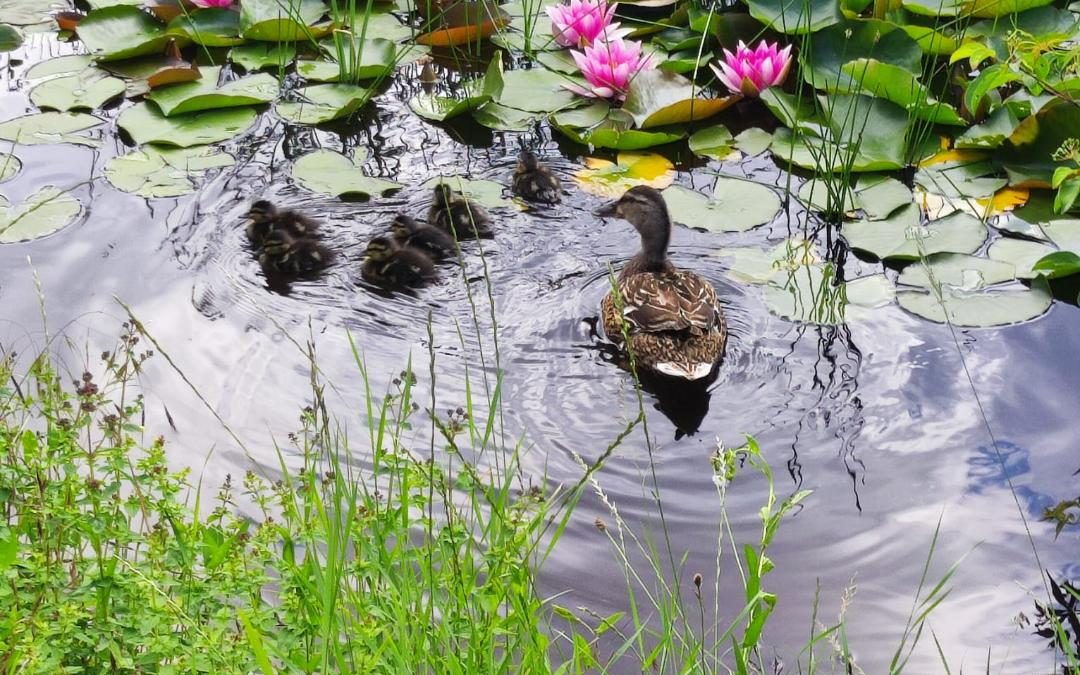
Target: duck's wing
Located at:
point(680, 301)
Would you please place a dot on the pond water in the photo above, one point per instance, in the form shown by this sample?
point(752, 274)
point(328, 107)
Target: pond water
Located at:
point(887, 419)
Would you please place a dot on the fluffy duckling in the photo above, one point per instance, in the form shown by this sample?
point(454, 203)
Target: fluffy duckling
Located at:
point(396, 267)
point(672, 317)
point(535, 182)
point(458, 216)
point(265, 218)
point(284, 254)
point(431, 240)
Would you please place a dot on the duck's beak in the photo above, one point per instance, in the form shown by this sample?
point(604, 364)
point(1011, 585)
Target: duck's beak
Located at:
point(609, 210)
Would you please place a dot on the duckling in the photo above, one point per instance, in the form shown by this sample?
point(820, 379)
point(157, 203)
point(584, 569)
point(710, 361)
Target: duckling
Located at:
point(672, 317)
point(458, 216)
point(535, 182)
point(396, 267)
point(284, 254)
point(265, 218)
point(431, 240)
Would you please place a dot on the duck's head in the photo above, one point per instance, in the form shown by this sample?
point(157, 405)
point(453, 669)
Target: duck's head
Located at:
point(262, 211)
point(403, 226)
point(380, 249)
point(645, 209)
point(444, 194)
point(527, 161)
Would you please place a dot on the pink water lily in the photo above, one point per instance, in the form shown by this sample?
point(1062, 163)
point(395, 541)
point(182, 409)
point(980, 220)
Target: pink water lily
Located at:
point(582, 22)
point(751, 71)
point(205, 4)
point(608, 67)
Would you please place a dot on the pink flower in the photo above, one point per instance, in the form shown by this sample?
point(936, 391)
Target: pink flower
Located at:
point(752, 71)
point(220, 4)
point(608, 67)
point(582, 22)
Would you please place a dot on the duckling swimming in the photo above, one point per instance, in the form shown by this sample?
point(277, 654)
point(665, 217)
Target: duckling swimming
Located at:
point(673, 319)
point(265, 218)
point(535, 182)
point(431, 240)
point(283, 254)
point(458, 216)
point(396, 267)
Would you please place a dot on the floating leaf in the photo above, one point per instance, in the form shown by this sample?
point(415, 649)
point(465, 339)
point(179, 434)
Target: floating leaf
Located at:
point(121, 32)
point(205, 94)
point(49, 127)
point(259, 55)
point(880, 196)
point(149, 72)
point(958, 270)
point(736, 205)
point(484, 192)
point(660, 98)
point(903, 88)
point(1058, 264)
point(275, 21)
point(993, 132)
point(1021, 254)
point(10, 38)
point(822, 195)
point(145, 124)
point(10, 166)
point(60, 65)
point(1030, 148)
point(475, 94)
point(26, 12)
point(461, 23)
point(753, 141)
point(985, 308)
point(713, 142)
point(796, 16)
point(495, 116)
point(44, 212)
point(960, 179)
point(87, 90)
point(811, 294)
point(901, 236)
point(536, 90)
point(991, 9)
point(323, 102)
point(209, 27)
point(611, 179)
point(756, 266)
point(157, 172)
point(375, 59)
point(334, 174)
point(600, 126)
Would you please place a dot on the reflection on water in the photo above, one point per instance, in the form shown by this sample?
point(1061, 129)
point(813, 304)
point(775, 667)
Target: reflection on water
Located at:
point(876, 417)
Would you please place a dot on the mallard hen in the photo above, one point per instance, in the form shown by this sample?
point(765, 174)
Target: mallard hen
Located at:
point(458, 216)
point(535, 182)
point(672, 317)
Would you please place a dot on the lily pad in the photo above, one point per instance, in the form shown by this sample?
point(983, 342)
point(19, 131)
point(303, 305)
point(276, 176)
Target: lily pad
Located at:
point(375, 59)
point(33, 13)
point(50, 127)
point(10, 38)
point(334, 174)
point(44, 212)
point(259, 55)
point(880, 196)
point(60, 65)
point(992, 133)
point(1021, 254)
point(824, 57)
point(600, 126)
point(979, 309)
point(475, 94)
point(205, 94)
point(902, 237)
point(960, 179)
point(714, 142)
point(796, 16)
point(159, 172)
point(753, 141)
point(958, 270)
point(535, 90)
point(209, 27)
point(487, 193)
point(10, 166)
point(87, 90)
point(754, 265)
point(145, 124)
point(276, 21)
point(611, 179)
point(122, 32)
point(1029, 149)
point(460, 23)
point(811, 294)
point(323, 102)
point(495, 116)
point(660, 98)
point(1058, 264)
point(736, 205)
point(827, 195)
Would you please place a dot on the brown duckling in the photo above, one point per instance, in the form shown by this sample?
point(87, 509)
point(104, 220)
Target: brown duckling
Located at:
point(672, 317)
point(431, 240)
point(284, 254)
point(396, 267)
point(535, 182)
point(458, 216)
point(264, 218)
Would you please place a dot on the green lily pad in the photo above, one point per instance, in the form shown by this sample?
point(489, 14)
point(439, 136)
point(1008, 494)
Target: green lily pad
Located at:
point(475, 94)
point(713, 142)
point(754, 265)
point(10, 38)
point(50, 127)
point(122, 32)
point(1058, 264)
point(827, 195)
point(323, 102)
point(823, 58)
point(930, 41)
point(369, 59)
point(753, 141)
point(33, 13)
point(486, 193)
point(205, 94)
point(334, 174)
point(958, 270)
point(880, 196)
point(992, 9)
point(145, 124)
point(600, 126)
point(495, 116)
point(935, 7)
point(979, 309)
point(60, 65)
point(1021, 254)
point(902, 237)
point(736, 205)
point(559, 61)
point(796, 16)
point(209, 27)
point(992, 133)
point(10, 166)
point(811, 294)
point(44, 212)
point(960, 179)
point(661, 98)
point(1030, 147)
point(259, 55)
point(536, 90)
point(903, 88)
point(87, 90)
point(275, 21)
point(382, 24)
point(159, 172)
